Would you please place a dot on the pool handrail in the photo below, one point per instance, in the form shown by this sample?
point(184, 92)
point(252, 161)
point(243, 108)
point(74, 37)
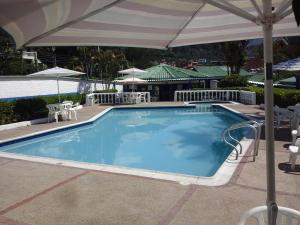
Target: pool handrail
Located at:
point(252, 124)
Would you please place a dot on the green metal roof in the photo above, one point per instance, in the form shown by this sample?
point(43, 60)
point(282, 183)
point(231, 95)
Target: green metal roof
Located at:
point(164, 72)
point(257, 78)
point(217, 71)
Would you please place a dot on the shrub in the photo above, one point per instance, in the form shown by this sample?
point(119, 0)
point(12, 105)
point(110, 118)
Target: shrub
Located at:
point(282, 97)
point(233, 80)
point(106, 91)
point(7, 112)
point(33, 108)
point(54, 99)
point(28, 109)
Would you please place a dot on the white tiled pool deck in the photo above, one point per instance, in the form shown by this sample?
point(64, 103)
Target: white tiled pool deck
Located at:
point(44, 194)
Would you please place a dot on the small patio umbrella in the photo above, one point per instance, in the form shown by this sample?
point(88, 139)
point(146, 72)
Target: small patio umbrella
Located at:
point(132, 80)
point(289, 65)
point(132, 71)
point(56, 72)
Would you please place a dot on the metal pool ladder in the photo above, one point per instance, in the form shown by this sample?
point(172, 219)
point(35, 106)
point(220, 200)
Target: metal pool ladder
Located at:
point(253, 125)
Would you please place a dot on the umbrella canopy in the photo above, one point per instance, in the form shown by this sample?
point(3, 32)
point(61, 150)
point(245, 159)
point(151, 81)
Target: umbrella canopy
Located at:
point(56, 72)
point(158, 24)
point(289, 65)
point(139, 23)
point(132, 80)
point(132, 71)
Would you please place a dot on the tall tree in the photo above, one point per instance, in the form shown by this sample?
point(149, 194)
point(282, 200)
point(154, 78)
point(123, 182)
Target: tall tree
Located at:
point(234, 54)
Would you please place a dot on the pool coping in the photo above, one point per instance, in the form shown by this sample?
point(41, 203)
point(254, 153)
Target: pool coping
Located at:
point(222, 176)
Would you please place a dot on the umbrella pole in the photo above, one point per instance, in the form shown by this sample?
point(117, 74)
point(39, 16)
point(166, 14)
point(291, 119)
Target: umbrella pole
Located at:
point(132, 82)
point(58, 90)
point(269, 117)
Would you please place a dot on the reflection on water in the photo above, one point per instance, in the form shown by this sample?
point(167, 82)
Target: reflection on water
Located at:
point(182, 140)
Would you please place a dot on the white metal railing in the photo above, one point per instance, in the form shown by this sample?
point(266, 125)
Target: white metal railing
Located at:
point(202, 95)
point(246, 97)
point(118, 98)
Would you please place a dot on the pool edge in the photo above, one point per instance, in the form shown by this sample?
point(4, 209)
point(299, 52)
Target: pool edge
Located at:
point(222, 176)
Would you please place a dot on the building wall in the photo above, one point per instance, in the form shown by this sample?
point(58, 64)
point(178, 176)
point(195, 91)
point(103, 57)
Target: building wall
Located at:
point(18, 87)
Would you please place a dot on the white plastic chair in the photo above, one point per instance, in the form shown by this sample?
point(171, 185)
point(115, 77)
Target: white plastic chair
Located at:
point(285, 216)
point(143, 98)
point(117, 98)
point(294, 152)
point(69, 109)
point(54, 112)
point(282, 114)
point(126, 98)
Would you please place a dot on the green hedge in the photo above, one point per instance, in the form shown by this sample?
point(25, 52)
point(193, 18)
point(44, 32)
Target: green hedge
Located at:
point(233, 80)
point(34, 108)
point(7, 113)
point(106, 91)
point(282, 97)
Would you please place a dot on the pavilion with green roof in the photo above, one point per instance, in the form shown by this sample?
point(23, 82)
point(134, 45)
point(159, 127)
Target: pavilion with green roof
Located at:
point(163, 80)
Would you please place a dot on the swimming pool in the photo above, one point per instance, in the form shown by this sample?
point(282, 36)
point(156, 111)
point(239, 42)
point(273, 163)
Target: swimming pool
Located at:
point(181, 140)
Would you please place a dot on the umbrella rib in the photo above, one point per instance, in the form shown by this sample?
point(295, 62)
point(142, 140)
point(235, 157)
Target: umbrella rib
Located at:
point(186, 24)
point(283, 15)
point(56, 29)
point(283, 6)
point(233, 9)
point(256, 6)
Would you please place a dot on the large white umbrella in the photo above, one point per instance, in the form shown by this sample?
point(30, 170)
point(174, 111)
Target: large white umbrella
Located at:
point(158, 24)
point(132, 71)
point(57, 73)
point(130, 80)
point(289, 65)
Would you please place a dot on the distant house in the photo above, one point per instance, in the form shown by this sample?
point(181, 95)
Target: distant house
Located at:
point(254, 64)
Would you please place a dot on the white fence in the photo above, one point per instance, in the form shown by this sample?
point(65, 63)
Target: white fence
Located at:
point(246, 97)
point(19, 87)
point(118, 98)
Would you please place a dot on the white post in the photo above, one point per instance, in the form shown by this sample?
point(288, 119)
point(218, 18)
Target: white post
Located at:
point(58, 90)
point(269, 126)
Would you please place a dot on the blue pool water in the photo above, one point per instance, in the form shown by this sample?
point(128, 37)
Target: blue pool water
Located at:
point(181, 140)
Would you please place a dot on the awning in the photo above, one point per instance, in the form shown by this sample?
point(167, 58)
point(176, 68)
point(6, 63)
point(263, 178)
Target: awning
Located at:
point(138, 23)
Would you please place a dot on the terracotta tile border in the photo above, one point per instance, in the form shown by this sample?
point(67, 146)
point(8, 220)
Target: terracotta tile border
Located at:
point(167, 219)
point(241, 165)
point(29, 199)
point(284, 193)
point(9, 221)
